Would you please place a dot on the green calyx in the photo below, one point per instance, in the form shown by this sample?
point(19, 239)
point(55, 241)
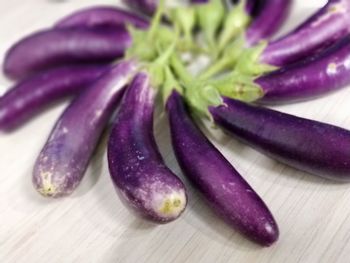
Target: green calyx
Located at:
point(248, 61)
point(198, 94)
point(238, 86)
point(235, 23)
point(185, 20)
point(145, 43)
point(210, 18)
point(227, 60)
point(159, 51)
point(170, 84)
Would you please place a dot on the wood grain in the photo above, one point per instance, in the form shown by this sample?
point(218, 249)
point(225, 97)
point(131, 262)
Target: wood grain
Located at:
point(93, 225)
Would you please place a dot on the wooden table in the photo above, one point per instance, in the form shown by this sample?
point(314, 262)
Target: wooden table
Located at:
point(93, 226)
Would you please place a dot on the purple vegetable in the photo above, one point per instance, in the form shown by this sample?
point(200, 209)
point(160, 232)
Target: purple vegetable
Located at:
point(102, 16)
point(320, 74)
point(318, 148)
point(145, 6)
point(137, 169)
point(324, 28)
point(65, 157)
point(223, 187)
point(271, 15)
point(32, 95)
point(58, 47)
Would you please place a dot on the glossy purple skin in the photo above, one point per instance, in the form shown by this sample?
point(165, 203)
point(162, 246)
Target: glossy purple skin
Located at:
point(317, 148)
point(102, 16)
point(59, 47)
point(62, 162)
point(323, 29)
point(269, 19)
point(325, 72)
point(225, 190)
point(31, 96)
point(135, 164)
point(147, 7)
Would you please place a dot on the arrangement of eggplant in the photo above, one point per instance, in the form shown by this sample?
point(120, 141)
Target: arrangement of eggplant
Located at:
point(115, 63)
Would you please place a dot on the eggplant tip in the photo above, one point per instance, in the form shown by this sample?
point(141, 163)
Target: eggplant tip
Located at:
point(171, 205)
point(270, 235)
point(47, 188)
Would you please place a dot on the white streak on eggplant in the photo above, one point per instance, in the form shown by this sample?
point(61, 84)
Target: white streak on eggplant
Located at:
point(334, 9)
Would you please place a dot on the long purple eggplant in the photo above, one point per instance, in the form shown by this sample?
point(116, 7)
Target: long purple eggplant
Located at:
point(223, 187)
point(328, 25)
point(101, 16)
point(147, 7)
point(318, 148)
point(62, 162)
point(137, 169)
point(271, 15)
point(32, 95)
point(58, 47)
point(322, 73)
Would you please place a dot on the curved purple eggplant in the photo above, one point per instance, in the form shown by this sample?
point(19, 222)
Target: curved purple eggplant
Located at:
point(324, 28)
point(271, 15)
point(318, 148)
point(58, 47)
point(32, 95)
point(62, 162)
point(226, 191)
point(325, 72)
point(101, 16)
point(147, 7)
point(137, 169)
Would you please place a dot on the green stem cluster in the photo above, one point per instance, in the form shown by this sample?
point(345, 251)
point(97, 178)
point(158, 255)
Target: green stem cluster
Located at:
point(161, 47)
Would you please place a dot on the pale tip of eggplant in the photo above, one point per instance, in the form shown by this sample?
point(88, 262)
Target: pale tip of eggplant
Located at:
point(172, 205)
point(47, 188)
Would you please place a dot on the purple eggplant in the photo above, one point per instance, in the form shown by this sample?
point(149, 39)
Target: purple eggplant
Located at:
point(101, 16)
point(226, 191)
point(34, 94)
point(317, 148)
point(329, 24)
point(58, 47)
point(147, 7)
point(322, 73)
point(62, 162)
point(271, 15)
point(137, 169)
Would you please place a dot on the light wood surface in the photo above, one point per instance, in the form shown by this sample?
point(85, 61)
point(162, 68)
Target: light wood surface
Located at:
point(93, 226)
